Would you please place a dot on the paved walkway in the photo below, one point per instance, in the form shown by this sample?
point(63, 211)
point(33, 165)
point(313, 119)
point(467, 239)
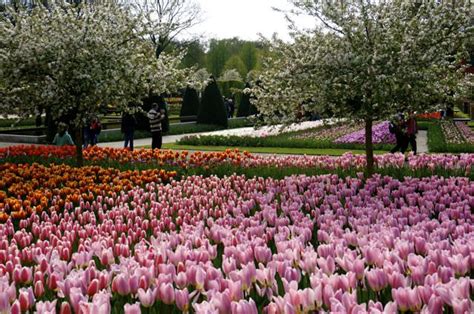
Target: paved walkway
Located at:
point(422, 142)
point(422, 138)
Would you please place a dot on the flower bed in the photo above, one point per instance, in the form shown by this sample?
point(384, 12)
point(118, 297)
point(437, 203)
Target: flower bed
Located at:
point(380, 135)
point(451, 133)
point(97, 154)
point(25, 189)
point(301, 244)
point(324, 137)
point(185, 163)
point(328, 133)
point(465, 131)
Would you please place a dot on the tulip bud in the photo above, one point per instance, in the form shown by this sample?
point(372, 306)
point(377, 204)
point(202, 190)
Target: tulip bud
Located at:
point(16, 308)
point(65, 308)
point(39, 289)
point(93, 287)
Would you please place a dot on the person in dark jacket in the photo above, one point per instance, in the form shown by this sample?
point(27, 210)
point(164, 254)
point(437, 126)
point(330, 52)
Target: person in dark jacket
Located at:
point(156, 116)
point(398, 127)
point(412, 130)
point(128, 129)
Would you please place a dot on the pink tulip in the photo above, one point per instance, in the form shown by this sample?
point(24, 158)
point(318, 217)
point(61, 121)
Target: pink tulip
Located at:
point(46, 307)
point(182, 300)
point(39, 289)
point(93, 287)
point(244, 307)
point(166, 293)
point(4, 302)
point(132, 308)
point(15, 308)
point(377, 279)
point(121, 284)
point(26, 298)
point(65, 308)
point(147, 298)
point(100, 304)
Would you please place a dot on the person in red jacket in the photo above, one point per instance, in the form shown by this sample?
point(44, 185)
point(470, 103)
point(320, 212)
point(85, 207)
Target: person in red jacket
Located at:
point(412, 129)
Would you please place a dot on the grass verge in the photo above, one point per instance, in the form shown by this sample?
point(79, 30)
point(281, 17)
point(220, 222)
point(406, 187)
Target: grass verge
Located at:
point(271, 150)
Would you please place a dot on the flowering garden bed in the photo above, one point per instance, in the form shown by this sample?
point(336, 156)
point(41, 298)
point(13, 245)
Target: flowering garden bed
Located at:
point(453, 137)
point(339, 135)
point(172, 240)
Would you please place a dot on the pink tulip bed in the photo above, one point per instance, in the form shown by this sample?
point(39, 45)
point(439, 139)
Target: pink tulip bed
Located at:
point(466, 132)
point(239, 245)
point(380, 135)
point(330, 132)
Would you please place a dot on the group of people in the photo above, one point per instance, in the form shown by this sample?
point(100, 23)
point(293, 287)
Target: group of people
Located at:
point(156, 117)
point(405, 131)
point(92, 129)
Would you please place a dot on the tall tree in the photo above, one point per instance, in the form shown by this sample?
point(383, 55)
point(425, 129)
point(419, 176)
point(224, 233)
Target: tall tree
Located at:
point(217, 56)
point(166, 19)
point(249, 55)
point(79, 60)
point(235, 63)
point(368, 60)
point(195, 55)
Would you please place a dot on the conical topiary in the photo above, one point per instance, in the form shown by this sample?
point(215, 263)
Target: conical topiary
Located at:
point(212, 109)
point(244, 106)
point(190, 105)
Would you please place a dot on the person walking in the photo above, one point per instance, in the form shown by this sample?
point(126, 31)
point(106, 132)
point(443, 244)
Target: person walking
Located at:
point(94, 131)
point(397, 127)
point(129, 123)
point(62, 138)
point(412, 130)
point(156, 116)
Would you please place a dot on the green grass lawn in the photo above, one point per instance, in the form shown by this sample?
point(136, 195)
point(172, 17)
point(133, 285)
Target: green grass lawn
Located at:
point(270, 150)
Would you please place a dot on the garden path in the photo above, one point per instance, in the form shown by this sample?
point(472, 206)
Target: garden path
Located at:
point(422, 141)
point(422, 138)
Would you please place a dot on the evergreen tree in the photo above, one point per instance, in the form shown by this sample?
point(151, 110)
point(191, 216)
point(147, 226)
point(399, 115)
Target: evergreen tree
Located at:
point(212, 109)
point(190, 105)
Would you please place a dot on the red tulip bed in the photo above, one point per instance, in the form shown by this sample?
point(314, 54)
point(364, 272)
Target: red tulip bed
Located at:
point(171, 242)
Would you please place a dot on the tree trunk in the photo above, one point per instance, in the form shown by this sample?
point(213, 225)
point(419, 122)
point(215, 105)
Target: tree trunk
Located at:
point(78, 141)
point(369, 148)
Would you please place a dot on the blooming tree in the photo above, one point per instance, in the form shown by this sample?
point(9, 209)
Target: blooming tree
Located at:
point(366, 61)
point(78, 60)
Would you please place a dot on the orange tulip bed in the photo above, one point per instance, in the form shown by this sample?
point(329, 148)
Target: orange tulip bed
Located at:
point(98, 155)
point(27, 188)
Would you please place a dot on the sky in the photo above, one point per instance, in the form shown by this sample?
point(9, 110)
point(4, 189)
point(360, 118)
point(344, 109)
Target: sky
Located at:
point(244, 19)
